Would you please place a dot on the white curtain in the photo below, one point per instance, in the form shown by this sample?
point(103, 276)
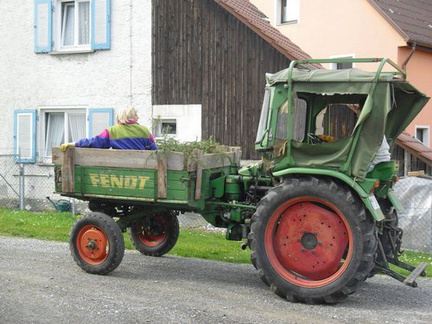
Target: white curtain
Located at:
point(77, 123)
point(68, 24)
point(84, 23)
point(55, 132)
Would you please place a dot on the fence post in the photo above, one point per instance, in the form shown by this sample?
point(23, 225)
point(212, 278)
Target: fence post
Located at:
point(21, 187)
point(407, 163)
point(73, 207)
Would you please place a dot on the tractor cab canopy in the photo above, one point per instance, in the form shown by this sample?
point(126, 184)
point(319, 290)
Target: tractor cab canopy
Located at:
point(334, 119)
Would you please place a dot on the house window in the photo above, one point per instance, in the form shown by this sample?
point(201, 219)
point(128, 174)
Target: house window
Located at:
point(287, 11)
point(64, 26)
point(75, 22)
point(342, 65)
point(422, 133)
point(25, 136)
point(61, 127)
point(165, 126)
point(183, 121)
point(55, 126)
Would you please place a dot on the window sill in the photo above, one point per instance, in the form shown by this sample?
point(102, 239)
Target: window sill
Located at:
point(45, 163)
point(72, 51)
point(160, 137)
point(291, 22)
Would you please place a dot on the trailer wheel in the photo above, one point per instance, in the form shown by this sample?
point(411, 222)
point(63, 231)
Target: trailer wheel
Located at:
point(157, 234)
point(96, 243)
point(311, 240)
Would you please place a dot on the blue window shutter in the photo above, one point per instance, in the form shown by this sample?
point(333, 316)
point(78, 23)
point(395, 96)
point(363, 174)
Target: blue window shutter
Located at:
point(25, 136)
point(101, 24)
point(99, 119)
point(42, 26)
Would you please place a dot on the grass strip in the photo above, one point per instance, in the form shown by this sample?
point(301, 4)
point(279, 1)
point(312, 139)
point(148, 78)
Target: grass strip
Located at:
point(54, 226)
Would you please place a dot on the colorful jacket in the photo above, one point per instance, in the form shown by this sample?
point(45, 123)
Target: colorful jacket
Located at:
point(129, 136)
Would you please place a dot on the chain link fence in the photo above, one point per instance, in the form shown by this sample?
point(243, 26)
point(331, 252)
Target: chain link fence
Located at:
point(9, 181)
point(415, 194)
point(27, 186)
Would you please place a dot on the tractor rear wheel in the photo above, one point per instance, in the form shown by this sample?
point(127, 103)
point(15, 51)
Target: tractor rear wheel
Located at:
point(96, 243)
point(157, 234)
point(312, 241)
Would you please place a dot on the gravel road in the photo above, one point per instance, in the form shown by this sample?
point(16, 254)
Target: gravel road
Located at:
point(40, 283)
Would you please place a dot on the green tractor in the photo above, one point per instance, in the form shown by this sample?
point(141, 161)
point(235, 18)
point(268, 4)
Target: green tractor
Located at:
point(331, 220)
point(318, 212)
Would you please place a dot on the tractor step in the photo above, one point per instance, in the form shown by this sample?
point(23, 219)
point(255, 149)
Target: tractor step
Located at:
point(418, 271)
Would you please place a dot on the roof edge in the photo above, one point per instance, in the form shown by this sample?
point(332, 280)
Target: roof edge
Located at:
point(403, 141)
point(390, 21)
point(245, 21)
point(273, 42)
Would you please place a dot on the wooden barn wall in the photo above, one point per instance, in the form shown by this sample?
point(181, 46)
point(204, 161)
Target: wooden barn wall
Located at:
point(415, 164)
point(204, 55)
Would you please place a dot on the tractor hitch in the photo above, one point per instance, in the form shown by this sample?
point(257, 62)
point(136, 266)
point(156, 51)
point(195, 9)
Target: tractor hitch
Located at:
point(383, 267)
point(410, 280)
point(419, 271)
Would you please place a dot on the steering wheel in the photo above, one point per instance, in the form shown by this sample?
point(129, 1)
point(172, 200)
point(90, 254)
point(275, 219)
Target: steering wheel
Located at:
point(315, 139)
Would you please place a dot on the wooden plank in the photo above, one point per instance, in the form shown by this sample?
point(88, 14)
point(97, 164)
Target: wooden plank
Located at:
point(116, 182)
point(217, 160)
point(237, 153)
point(57, 156)
point(210, 161)
point(175, 161)
point(199, 170)
point(416, 173)
point(162, 176)
point(115, 158)
point(67, 171)
point(121, 158)
point(146, 159)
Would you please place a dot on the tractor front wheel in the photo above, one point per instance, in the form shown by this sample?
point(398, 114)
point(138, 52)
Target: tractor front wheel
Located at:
point(96, 243)
point(155, 234)
point(312, 241)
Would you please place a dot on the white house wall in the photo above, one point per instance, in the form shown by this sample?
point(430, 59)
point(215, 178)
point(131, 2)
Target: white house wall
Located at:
point(186, 117)
point(103, 79)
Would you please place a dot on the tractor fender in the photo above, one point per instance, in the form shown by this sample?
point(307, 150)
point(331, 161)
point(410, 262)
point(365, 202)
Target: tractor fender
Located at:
point(369, 200)
point(396, 203)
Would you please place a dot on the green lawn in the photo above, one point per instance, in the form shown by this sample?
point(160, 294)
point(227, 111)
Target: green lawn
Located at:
point(55, 226)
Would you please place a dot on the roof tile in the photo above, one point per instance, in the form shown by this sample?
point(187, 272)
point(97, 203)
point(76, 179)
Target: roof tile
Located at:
point(412, 18)
point(415, 147)
point(251, 16)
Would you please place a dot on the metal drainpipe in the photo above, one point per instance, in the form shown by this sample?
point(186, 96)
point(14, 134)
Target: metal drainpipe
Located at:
point(405, 63)
point(407, 156)
point(130, 53)
point(21, 187)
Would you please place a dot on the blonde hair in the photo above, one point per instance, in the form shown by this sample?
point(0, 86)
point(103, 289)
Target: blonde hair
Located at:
point(125, 114)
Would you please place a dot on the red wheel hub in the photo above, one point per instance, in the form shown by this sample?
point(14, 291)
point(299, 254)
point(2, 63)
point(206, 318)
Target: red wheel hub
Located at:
point(92, 245)
point(154, 234)
point(306, 242)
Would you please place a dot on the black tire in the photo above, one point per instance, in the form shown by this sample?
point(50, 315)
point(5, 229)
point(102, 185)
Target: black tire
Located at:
point(96, 243)
point(311, 240)
point(156, 234)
